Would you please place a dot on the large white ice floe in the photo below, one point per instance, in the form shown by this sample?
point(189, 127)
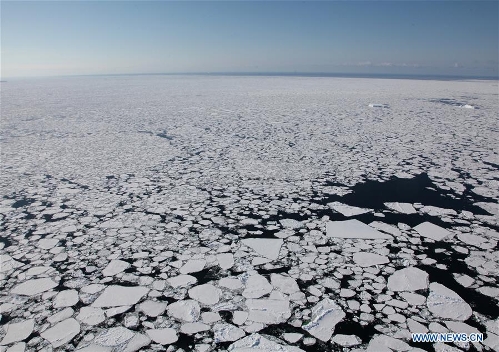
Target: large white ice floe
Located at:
point(193, 266)
point(365, 259)
point(429, 230)
point(194, 328)
point(152, 308)
point(8, 263)
point(186, 310)
point(17, 331)
point(115, 296)
point(225, 260)
point(47, 243)
point(445, 303)
point(62, 332)
point(115, 267)
point(205, 294)
point(256, 286)
point(285, 284)
point(392, 230)
point(384, 343)
point(223, 332)
point(291, 223)
point(347, 210)
point(408, 279)
point(268, 311)
point(66, 298)
point(353, 229)
point(113, 337)
point(257, 342)
point(266, 247)
point(346, 340)
point(164, 336)
point(182, 281)
point(91, 316)
point(34, 287)
point(404, 208)
point(325, 315)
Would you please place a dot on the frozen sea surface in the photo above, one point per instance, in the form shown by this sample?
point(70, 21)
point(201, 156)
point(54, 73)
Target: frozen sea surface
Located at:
point(229, 213)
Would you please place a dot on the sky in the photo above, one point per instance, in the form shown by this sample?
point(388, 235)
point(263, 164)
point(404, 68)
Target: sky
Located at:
point(43, 38)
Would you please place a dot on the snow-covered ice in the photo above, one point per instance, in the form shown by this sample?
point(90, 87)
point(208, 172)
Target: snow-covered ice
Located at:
point(115, 296)
point(241, 213)
point(325, 315)
point(269, 248)
point(408, 279)
point(353, 229)
point(429, 230)
point(445, 303)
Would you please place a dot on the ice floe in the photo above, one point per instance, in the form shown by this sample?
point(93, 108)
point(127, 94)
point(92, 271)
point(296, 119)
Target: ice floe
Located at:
point(429, 230)
point(325, 315)
point(116, 295)
point(408, 279)
point(445, 303)
point(269, 248)
point(353, 229)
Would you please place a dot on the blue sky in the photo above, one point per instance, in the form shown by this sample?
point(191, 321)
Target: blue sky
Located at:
point(111, 37)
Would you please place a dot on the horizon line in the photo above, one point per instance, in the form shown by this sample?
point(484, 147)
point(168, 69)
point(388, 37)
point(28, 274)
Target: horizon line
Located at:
point(317, 74)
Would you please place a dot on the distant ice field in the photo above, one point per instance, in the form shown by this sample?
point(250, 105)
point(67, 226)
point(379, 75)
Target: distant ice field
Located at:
point(211, 213)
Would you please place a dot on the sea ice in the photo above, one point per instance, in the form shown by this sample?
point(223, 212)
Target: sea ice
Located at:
point(47, 243)
point(194, 328)
point(17, 331)
point(224, 332)
point(353, 229)
point(285, 284)
point(205, 294)
point(346, 340)
point(268, 311)
point(91, 316)
point(225, 260)
point(62, 332)
point(408, 279)
point(193, 266)
point(231, 283)
point(115, 267)
point(115, 296)
point(66, 298)
point(404, 208)
point(257, 342)
point(34, 287)
point(256, 286)
point(429, 230)
point(152, 308)
point(164, 336)
point(114, 337)
point(325, 315)
point(291, 223)
point(267, 247)
point(347, 210)
point(369, 259)
point(186, 310)
point(182, 281)
point(445, 303)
